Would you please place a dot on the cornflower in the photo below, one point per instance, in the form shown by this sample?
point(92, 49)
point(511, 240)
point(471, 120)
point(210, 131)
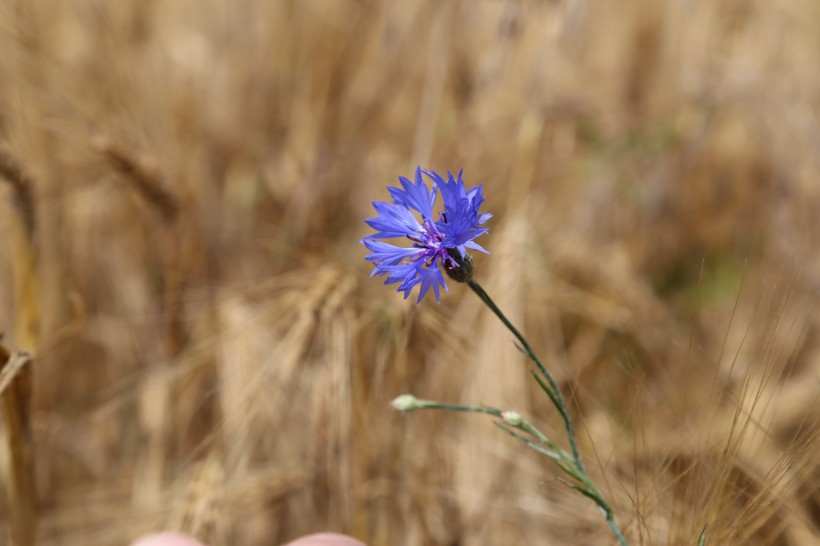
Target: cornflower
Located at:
point(436, 243)
point(443, 243)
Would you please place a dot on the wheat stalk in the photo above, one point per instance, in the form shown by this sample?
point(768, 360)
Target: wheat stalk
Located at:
point(15, 377)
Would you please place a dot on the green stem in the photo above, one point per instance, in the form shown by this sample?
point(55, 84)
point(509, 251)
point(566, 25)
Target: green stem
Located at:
point(558, 398)
point(431, 404)
point(593, 493)
point(610, 519)
point(579, 471)
point(702, 537)
point(613, 525)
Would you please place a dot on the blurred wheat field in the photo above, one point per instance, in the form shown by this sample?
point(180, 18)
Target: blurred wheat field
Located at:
point(184, 184)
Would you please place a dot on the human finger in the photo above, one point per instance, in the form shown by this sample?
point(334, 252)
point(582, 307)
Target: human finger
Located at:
point(167, 539)
point(326, 539)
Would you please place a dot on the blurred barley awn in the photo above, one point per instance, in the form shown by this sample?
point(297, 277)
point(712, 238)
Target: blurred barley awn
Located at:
point(443, 243)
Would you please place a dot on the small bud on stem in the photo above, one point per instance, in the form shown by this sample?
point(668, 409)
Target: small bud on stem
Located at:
point(405, 402)
point(512, 418)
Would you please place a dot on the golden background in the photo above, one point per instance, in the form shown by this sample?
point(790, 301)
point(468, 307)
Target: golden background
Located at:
point(184, 184)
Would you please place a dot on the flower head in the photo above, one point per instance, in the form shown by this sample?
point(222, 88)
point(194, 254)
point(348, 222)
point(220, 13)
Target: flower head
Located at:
point(441, 242)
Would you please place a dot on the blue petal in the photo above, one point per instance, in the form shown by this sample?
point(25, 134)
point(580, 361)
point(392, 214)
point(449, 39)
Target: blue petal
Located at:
point(415, 195)
point(431, 278)
point(476, 196)
point(451, 191)
point(460, 221)
point(387, 254)
point(476, 246)
point(393, 221)
point(408, 274)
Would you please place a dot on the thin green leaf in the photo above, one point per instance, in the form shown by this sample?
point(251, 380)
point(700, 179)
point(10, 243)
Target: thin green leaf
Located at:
point(545, 388)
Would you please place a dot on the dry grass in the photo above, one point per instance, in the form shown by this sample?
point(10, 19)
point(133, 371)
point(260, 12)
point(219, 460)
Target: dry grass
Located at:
point(213, 358)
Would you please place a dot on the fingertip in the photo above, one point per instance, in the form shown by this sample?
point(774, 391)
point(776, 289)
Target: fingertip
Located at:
point(166, 539)
point(326, 539)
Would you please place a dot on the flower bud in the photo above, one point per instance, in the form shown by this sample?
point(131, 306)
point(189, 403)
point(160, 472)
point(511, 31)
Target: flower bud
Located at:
point(405, 402)
point(512, 418)
point(463, 272)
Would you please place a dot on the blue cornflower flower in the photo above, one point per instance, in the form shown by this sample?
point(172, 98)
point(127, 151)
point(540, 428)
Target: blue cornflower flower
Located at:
point(441, 242)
